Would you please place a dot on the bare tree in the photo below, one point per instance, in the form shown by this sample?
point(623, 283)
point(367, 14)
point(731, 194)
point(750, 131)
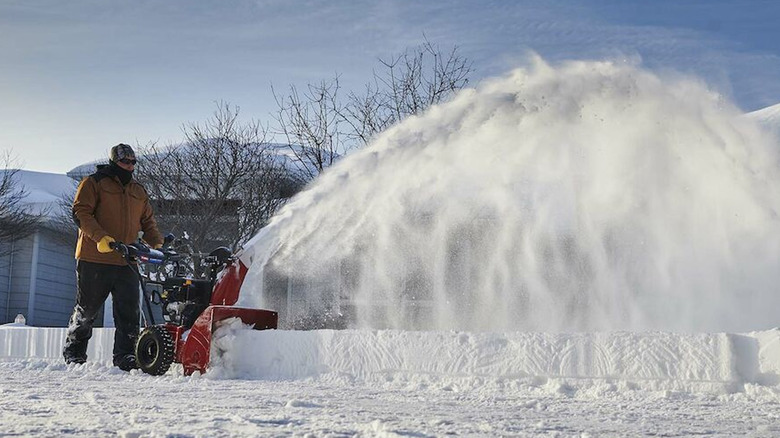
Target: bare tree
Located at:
point(407, 84)
point(319, 127)
point(310, 124)
point(16, 221)
point(61, 218)
point(221, 185)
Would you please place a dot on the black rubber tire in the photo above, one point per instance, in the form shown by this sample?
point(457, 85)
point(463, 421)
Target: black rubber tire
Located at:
point(154, 350)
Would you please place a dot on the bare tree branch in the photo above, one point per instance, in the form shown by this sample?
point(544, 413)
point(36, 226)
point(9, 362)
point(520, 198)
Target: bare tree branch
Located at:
point(62, 218)
point(310, 125)
point(319, 127)
point(407, 84)
point(16, 220)
point(221, 185)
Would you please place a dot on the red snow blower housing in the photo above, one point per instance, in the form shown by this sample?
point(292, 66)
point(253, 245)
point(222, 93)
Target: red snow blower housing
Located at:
point(192, 307)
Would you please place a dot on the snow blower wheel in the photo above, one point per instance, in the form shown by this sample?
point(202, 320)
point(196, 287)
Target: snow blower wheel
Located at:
point(154, 350)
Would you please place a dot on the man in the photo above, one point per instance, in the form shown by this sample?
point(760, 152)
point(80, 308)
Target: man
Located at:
point(109, 206)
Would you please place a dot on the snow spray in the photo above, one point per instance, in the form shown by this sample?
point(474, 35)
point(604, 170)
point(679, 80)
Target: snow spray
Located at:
point(586, 196)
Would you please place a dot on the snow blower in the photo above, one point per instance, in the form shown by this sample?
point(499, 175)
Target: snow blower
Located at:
point(192, 307)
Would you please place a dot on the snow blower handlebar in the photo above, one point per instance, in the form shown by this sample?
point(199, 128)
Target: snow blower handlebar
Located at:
point(141, 252)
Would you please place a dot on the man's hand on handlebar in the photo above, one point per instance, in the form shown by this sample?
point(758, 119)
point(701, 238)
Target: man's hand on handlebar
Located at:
point(104, 244)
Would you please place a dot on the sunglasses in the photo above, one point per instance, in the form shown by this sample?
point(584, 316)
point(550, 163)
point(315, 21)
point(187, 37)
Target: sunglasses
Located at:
point(128, 161)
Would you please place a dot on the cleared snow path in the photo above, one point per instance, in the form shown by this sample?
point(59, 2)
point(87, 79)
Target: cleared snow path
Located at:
point(397, 383)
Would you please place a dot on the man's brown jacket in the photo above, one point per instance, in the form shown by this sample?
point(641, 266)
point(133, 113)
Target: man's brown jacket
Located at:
point(103, 206)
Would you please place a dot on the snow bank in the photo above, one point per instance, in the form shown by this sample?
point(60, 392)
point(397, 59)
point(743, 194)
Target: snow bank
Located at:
point(654, 360)
point(658, 361)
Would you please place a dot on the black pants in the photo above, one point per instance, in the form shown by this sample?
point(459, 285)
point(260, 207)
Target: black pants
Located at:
point(95, 281)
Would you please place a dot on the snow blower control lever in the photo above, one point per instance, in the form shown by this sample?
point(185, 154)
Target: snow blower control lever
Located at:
point(192, 307)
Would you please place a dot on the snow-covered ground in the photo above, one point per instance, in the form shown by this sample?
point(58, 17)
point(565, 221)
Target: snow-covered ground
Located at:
point(401, 383)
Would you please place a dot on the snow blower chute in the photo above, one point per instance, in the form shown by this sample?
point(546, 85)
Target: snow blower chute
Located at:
point(192, 307)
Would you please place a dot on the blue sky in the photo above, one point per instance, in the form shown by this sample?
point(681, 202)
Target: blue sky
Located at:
point(77, 77)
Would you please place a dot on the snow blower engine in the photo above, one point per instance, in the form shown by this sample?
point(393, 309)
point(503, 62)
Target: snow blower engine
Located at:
point(191, 307)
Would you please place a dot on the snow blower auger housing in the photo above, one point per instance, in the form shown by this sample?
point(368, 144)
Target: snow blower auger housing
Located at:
point(192, 308)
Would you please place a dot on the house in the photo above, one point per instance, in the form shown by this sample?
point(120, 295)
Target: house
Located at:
point(37, 273)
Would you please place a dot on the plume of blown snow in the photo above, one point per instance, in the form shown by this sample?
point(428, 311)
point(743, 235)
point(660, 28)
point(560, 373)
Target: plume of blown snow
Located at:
point(582, 196)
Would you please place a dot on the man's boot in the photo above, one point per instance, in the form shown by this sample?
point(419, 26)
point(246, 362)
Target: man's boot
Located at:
point(125, 362)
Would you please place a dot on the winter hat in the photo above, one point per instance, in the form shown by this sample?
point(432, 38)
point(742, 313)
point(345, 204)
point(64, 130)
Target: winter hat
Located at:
point(120, 152)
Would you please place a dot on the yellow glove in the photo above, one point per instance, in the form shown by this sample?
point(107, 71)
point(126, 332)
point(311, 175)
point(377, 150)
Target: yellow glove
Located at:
point(103, 245)
point(158, 246)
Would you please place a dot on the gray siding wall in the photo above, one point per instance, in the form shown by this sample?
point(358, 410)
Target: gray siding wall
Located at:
point(54, 283)
point(55, 286)
point(5, 269)
point(20, 279)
